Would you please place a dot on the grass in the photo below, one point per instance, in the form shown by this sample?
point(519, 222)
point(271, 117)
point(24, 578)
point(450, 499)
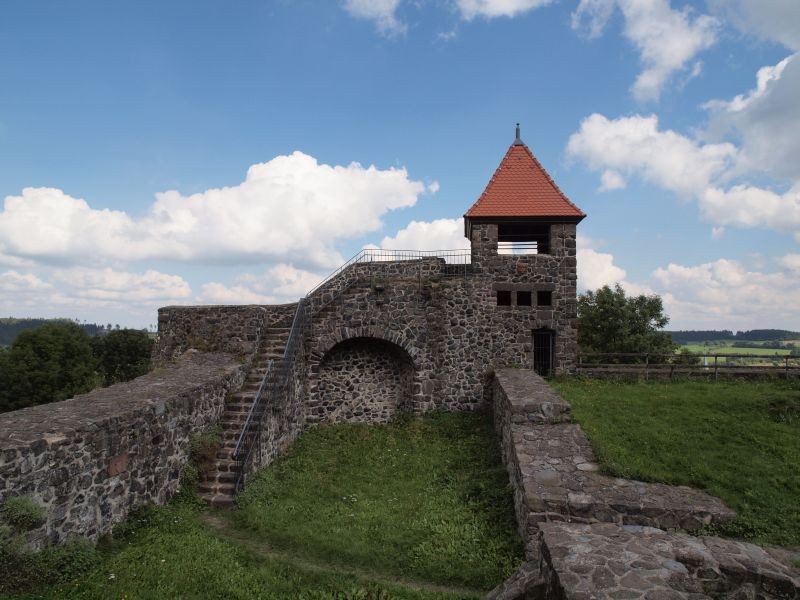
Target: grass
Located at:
point(427, 498)
point(724, 349)
point(737, 440)
point(416, 510)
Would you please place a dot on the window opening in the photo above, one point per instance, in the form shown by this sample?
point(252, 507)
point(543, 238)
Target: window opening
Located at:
point(523, 298)
point(503, 298)
point(544, 298)
point(523, 238)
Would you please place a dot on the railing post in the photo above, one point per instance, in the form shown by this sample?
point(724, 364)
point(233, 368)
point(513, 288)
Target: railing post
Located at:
point(716, 373)
point(786, 365)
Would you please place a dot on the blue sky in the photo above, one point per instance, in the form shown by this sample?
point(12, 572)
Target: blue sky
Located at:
point(158, 153)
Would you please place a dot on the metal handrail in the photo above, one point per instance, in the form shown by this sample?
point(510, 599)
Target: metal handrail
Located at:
point(368, 255)
point(276, 377)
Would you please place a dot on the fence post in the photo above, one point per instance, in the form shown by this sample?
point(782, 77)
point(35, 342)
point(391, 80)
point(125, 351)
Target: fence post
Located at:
point(647, 367)
point(786, 365)
point(715, 367)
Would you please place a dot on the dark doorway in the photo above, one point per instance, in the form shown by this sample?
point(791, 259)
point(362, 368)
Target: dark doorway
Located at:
point(543, 352)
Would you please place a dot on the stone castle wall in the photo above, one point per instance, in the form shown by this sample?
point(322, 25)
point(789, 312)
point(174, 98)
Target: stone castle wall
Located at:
point(235, 330)
point(91, 459)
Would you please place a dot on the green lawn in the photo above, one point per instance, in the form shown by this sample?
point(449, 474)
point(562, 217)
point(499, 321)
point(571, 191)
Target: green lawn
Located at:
point(737, 440)
point(428, 498)
point(420, 509)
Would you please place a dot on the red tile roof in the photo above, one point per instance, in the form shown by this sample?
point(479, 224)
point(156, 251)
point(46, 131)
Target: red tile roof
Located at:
point(521, 187)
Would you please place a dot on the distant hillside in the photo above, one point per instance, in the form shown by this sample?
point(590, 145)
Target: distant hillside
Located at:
point(10, 328)
point(754, 335)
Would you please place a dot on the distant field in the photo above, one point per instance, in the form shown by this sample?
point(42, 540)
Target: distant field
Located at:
point(721, 349)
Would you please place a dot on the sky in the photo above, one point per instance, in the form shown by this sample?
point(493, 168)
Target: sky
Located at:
point(208, 152)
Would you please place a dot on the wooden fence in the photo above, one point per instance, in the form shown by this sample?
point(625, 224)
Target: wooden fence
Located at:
point(667, 366)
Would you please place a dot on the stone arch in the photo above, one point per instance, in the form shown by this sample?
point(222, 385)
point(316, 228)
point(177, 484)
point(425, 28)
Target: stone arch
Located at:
point(362, 379)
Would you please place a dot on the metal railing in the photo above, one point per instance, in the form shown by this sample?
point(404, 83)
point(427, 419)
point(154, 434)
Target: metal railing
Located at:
point(274, 389)
point(456, 262)
point(687, 364)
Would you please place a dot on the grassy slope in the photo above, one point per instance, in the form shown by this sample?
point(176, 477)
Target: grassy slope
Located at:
point(353, 513)
point(720, 437)
point(428, 498)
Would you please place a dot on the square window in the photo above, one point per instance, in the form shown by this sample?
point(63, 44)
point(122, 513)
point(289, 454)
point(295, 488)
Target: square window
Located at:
point(523, 298)
point(503, 298)
point(544, 298)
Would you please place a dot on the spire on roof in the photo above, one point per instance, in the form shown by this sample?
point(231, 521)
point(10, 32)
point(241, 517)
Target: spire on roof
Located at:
point(518, 141)
point(522, 189)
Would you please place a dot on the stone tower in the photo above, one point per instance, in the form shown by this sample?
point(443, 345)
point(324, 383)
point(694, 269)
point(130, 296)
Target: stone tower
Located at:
point(522, 233)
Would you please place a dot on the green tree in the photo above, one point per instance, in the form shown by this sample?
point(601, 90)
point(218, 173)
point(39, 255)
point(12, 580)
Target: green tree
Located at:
point(53, 362)
point(123, 354)
point(611, 322)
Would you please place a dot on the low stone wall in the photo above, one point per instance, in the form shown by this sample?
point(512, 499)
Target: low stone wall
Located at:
point(91, 459)
point(231, 329)
point(642, 563)
point(587, 535)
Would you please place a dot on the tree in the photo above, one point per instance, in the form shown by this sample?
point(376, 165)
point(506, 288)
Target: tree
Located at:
point(611, 322)
point(53, 362)
point(123, 354)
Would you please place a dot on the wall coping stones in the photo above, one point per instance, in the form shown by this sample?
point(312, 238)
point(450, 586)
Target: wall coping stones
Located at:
point(595, 536)
point(558, 472)
point(607, 561)
point(530, 399)
point(87, 412)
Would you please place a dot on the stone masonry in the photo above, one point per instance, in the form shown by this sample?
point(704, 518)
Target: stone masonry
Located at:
point(591, 536)
point(89, 460)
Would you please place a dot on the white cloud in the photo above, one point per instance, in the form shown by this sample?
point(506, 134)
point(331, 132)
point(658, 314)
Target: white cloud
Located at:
point(13, 282)
point(596, 269)
point(278, 284)
point(765, 120)
point(775, 20)
point(691, 169)
point(636, 145)
point(96, 295)
point(441, 234)
point(791, 261)
point(291, 207)
point(122, 286)
point(491, 9)
point(717, 233)
point(748, 206)
point(382, 12)
point(724, 294)
point(611, 180)
point(667, 39)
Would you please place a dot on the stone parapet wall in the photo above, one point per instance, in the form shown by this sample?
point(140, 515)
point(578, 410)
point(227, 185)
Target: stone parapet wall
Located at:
point(587, 535)
point(555, 474)
point(91, 459)
point(642, 563)
point(231, 329)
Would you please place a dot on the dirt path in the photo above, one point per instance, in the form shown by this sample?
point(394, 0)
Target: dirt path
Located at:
point(262, 548)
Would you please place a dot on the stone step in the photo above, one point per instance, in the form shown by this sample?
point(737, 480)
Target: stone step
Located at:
point(218, 477)
point(213, 487)
point(218, 500)
point(559, 475)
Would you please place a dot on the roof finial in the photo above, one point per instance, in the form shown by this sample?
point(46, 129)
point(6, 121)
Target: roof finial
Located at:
point(518, 140)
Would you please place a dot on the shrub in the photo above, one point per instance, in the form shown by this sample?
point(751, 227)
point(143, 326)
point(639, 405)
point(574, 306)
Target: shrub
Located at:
point(203, 446)
point(22, 513)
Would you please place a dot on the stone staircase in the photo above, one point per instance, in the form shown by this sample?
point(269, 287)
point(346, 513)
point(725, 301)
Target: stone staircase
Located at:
point(218, 481)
